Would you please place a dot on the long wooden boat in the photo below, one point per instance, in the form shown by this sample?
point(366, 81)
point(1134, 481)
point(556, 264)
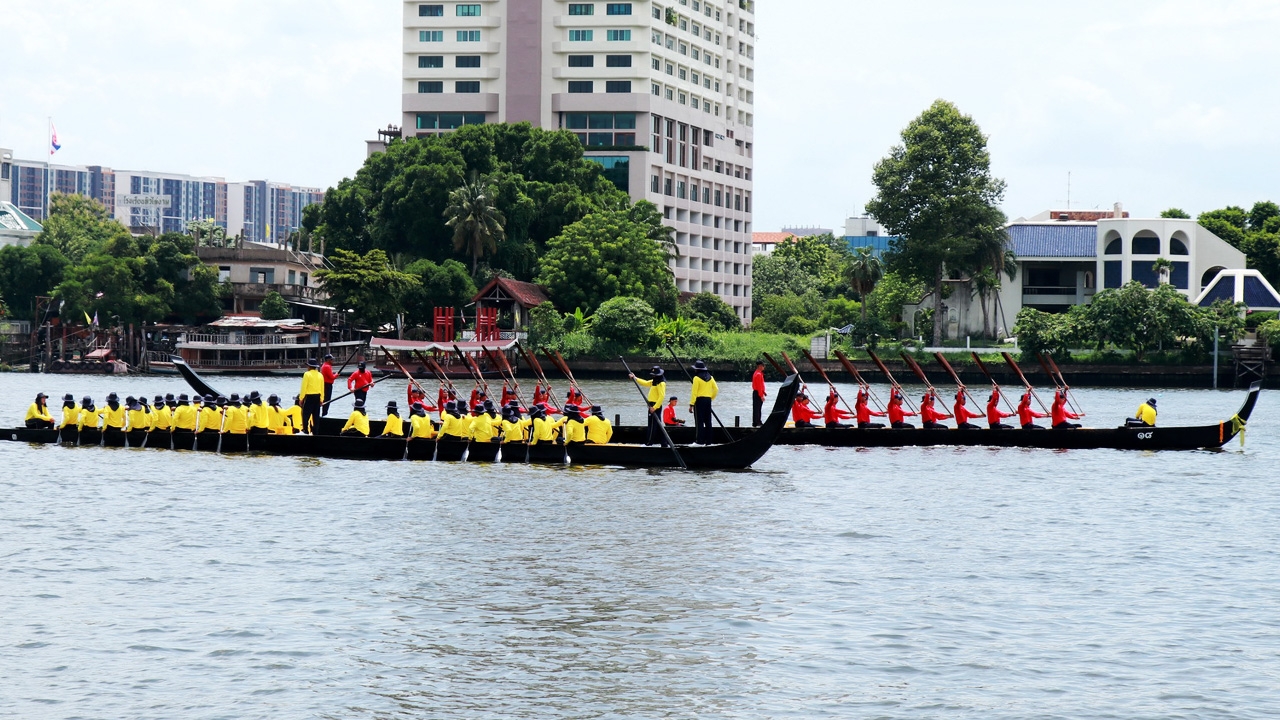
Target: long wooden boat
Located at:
point(737, 454)
point(1194, 437)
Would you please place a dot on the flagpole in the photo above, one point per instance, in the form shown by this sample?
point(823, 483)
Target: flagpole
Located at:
point(48, 166)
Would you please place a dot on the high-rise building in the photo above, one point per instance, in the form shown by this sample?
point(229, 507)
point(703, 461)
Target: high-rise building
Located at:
point(660, 93)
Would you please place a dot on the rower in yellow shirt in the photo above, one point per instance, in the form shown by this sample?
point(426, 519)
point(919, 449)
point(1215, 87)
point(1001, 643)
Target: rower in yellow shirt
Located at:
point(70, 412)
point(599, 430)
point(184, 416)
point(237, 417)
point(484, 426)
point(113, 414)
point(394, 426)
point(358, 422)
point(515, 428)
point(162, 417)
point(545, 430)
point(453, 424)
point(575, 431)
point(88, 415)
point(258, 416)
point(292, 419)
point(420, 425)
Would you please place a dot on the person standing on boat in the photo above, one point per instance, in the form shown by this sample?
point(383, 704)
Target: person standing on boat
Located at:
point(802, 413)
point(758, 394)
point(1145, 416)
point(599, 430)
point(394, 427)
point(1060, 414)
point(898, 416)
point(38, 417)
point(70, 412)
point(994, 414)
point(1027, 416)
point(963, 414)
point(358, 422)
point(705, 390)
point(312, 393)
point(832, 414)
point(657, 384)
point(360, 381)
point(330, 377)
point(862, 409)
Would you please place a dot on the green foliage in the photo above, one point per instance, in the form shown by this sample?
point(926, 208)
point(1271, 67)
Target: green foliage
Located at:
point(839, 312)
point(865, 271)
point(207, 233)
point(366, 285)
point(1042, 332)
point(822, 258)
point(789, 313)
point(77, 225)
point(546, 326)
point(936, 193)
point(1254, 320)
point(476, 221)
point(1269, 333)
point(577, 320)
point(606, 255)
point(891, 294)
point(447, 284)
point(1176, 214)
point(772, 276)
point(713, 312)
point(626, 322)
point(274, 307)
point(680, 331)
point(28, 272)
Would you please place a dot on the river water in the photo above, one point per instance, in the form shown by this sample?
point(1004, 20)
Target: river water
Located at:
point(913, 583)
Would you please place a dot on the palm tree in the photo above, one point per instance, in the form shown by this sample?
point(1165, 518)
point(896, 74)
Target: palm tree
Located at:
point(865, 272)
point(1162, 268)
point(647, 214)
point(476, 221)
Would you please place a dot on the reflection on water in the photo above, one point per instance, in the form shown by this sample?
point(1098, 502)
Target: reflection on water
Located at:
point(924, 582)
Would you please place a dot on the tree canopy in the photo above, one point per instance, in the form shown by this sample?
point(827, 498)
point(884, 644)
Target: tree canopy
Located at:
point(1255, 232)
point(936, 194)
point(366, 285)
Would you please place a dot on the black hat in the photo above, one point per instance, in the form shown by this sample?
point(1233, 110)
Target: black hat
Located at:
point(570, 408)
point(699, 365)
point(113, 397)
point(513, 404)
point(235, 398)
point(597, 409)
point(1151, 402)
point(68, 398)
point(183, 398)
point(143, 400)
point(160, 399)
point(168, 397)
point(130, 400)
point(209, 399)
point(327, 356)
point(656, 372)
point(222, 401)
point(41, 395)
point(311, 362)
point(481, 393)
point(274, 399)
point(392, 407)
point(360, 364)
point(359, 404)
point(488, 406)
point(418, 409)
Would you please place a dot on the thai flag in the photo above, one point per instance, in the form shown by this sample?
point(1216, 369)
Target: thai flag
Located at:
point(53, 141)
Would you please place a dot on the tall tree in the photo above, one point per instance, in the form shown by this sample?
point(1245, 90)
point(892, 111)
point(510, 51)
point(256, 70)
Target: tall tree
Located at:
point(865, 272)
point(475, 219)
point(606, 255)
point(366, 285)
point(935, 192)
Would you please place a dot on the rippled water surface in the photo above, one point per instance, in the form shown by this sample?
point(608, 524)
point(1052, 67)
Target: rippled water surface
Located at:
point(914, 583)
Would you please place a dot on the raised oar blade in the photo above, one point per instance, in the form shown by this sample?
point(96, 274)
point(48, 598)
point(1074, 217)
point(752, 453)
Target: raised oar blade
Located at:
point(775, 365)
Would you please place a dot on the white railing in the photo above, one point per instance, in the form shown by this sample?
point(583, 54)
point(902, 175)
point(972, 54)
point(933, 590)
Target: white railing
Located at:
point(251, 340)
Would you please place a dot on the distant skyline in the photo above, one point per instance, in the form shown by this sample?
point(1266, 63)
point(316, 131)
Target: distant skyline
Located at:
point(1152, 104)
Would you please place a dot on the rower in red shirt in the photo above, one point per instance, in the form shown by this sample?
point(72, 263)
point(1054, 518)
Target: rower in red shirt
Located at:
point(930, 417)
point(1060, 414)
point(994, 414)
point(864, 411)
point(831, 412)
point(802, 412)
point(1026, 415)
point(508, 394)
point(897, 416)
point(540, 396)
point(962, 414)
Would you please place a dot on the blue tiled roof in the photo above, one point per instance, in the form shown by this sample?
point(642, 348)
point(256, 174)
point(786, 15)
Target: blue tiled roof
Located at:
point(1256, 295)
point(1223, 289)
point(1054, 240)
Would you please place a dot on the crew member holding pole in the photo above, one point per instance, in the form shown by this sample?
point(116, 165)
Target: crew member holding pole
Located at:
point(657, 384)
point(704, 391)
point(758, 394)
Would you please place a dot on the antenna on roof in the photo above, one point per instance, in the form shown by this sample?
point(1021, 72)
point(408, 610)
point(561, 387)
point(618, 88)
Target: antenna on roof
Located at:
point(1068, 190)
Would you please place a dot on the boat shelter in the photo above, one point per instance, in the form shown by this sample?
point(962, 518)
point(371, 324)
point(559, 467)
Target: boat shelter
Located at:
point(512, 297)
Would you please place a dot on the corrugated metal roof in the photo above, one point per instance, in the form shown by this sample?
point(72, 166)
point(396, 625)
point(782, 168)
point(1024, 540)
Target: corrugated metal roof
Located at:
point(1054, 240)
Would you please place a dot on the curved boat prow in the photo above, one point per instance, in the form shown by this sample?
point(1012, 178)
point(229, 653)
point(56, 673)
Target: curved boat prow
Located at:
point(1247, 408)
point(195, 381)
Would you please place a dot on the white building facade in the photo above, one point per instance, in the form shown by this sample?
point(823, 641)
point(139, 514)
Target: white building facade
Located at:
point(660, 93)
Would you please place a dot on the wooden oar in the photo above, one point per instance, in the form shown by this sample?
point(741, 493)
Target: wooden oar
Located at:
point(653, 412)
point(849, 368)
point(690, 378)
point(918, 371)
point(830, 384)
point(536, 367)
point(557, 361)
point(400, 366)
point(505, 368)
point(349, 393)
point(1009, 359)
point(983, 367)
point(955, 377)
point(471, 369)
point(1066, 389)
point(775, 365)
point(892, 382)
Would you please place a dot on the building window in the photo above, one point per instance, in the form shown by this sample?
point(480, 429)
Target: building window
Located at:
point(443, 121)
point(657, 64)
point(430, 86)
point(468, 11)
point(581, 86)
point(468, 36)
point(430, 36)
point(1177, 247)
point(466, 86)
point(224, 273)
point(618, 9)
point(582, 61)
point(619, 36)
point(580, 35)
point(1146, 245)
point(467, 61)
point(654, 182)
point(430, 61)
point(1141, 270)
point(617, 86)
point(617, 61)
point(657, 89)
point(666, 187)
point(582, 9)
point(430, 11)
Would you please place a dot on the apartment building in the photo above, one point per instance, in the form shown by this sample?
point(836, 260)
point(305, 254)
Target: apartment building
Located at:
point(661, 94)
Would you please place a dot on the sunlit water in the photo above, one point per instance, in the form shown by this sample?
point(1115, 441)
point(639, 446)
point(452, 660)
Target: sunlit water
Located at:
point(914, 583)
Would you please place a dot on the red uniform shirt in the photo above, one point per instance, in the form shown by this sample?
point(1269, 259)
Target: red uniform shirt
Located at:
point(831, 412)
point(801, 411)
point(507, 395)
point(863, 410)
point(896, 413)
point(757, 384)
point(669, 415)
point(994, 415)
point(1025, 414)
point(1059, 410)
point(963, 415)
point(360, 380)
point(327, 371)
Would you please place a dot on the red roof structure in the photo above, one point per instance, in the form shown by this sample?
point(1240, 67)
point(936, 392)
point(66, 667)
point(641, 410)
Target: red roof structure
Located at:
point(502, 289)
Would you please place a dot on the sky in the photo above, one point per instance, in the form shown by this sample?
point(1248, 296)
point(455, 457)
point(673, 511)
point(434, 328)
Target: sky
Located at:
point(1153, 104)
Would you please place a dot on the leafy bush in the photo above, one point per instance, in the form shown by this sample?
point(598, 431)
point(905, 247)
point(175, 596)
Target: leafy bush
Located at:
point(777, 311)
point(715, 313)
point(624, 321)
point(546, 326)
point(676, 331)
point(274, 307)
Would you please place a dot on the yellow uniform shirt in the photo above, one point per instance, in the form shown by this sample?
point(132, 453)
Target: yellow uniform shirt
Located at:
point(139, 420)
point(36, 413)
point(70, 416)
point(420, 426)
point(1146, 414)
point(575, 431)
point(704, 388)
point(259, 417)
point(210, 419)
point(599, 430)
point(184, 417)
point(162, 419)
point(357, 421)
point(515, 432)
point(237, 420)
point(657, 391)
point(292, 421)
point(455, 427)
point(484, 428)
point(394, 426)
point(312, 383)
point(112, 418)
point(544, 430)
point(88, 418)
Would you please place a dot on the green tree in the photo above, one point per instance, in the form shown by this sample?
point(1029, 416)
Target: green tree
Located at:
point(1175, 214)
point(935, 192)
point(772, 276)
point(822, 258)
point(476, 221)
point(447, 284)
point(78, 225)
point(365, 285)
point(274, 307)
point(603, 256)
point(865, 272)
point(789, 313)
point(648, 215)
point(626, 322)
point(208, 233)
point(715, 313)
point(546, 325)
point(27, 273)
point(1229, 223)
point(1262, 213)
point(891, 294)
